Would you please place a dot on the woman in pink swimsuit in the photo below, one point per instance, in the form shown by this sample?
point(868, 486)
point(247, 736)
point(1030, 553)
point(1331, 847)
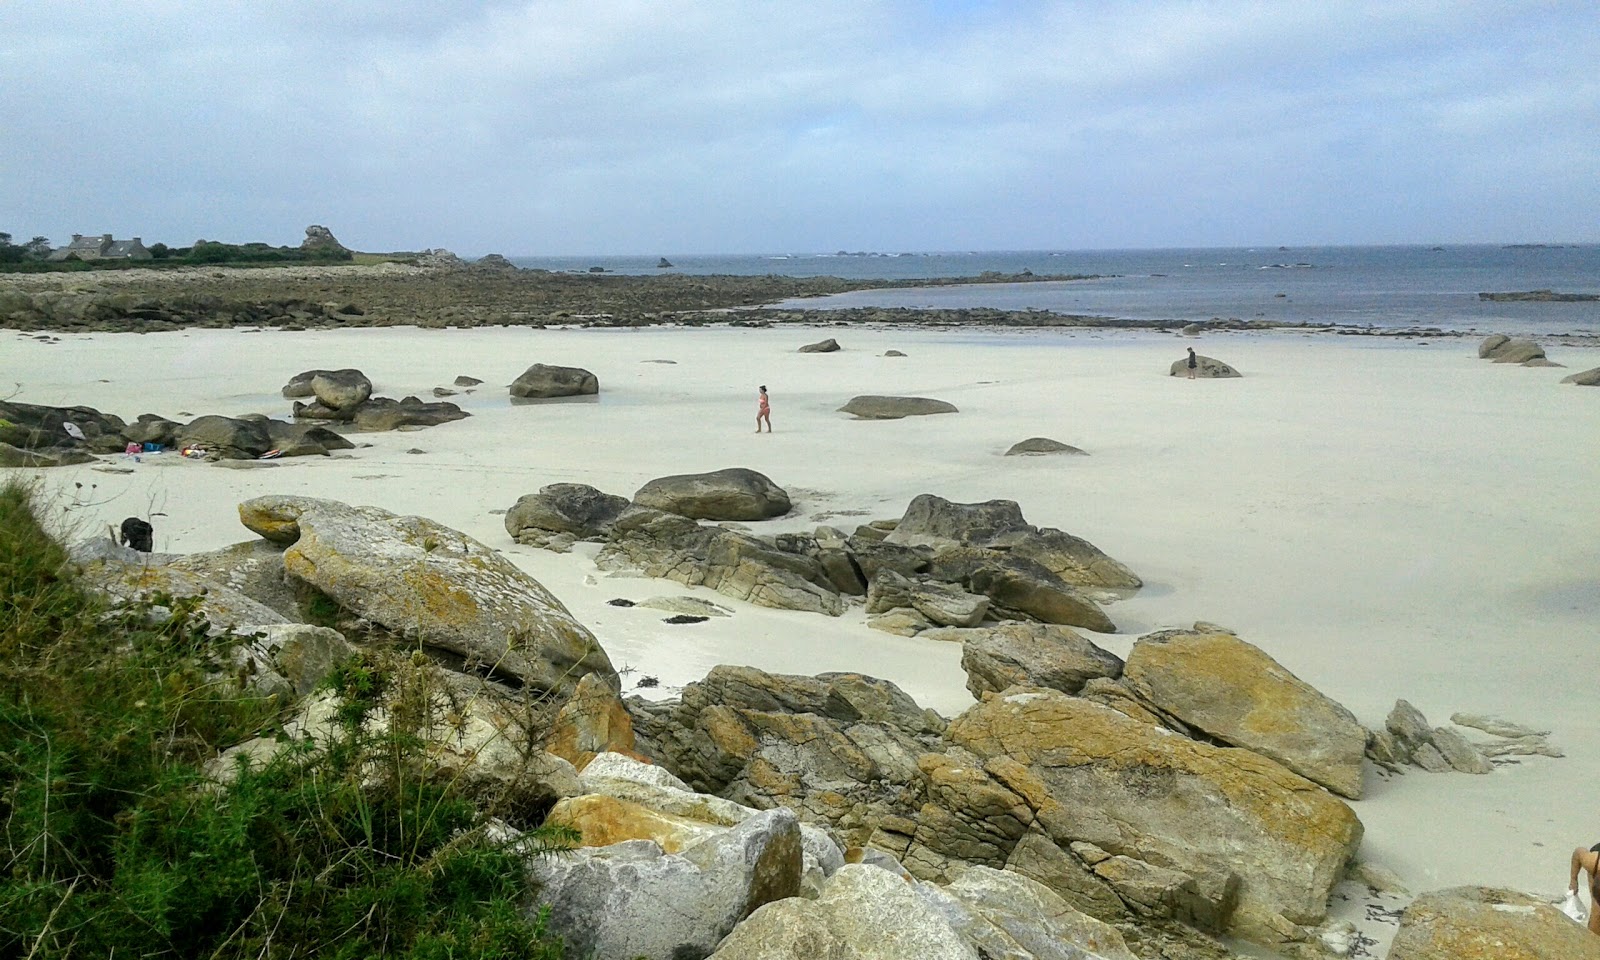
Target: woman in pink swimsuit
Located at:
point(763, 412)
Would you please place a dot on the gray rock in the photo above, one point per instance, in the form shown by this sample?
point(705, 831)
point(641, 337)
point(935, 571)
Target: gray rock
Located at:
point(1428, 757)
point(893, 353)
point(900, 621)
point(633, 902)
point(16, 457)
point(1408, 725)
point(466, 381)
point(894, 408)
point(731, 494)
point(434, 586)
point(149, 428)
point(1479, 923)
point(1457, 751)
point(688, 606)
point(1006, 915)
point(829, 345)
point(941, 604)
point(573, 508)
point(383, 413)
point(1588, 378)
point(730, 562)
point(1028, 654)
point(1490, 344)
point(541, 381)
point(1209, 368)
point(1018, 588)
point(1502, 349)
point(1034, 446)
point(862, 914)
point(253, 568)
point(340, 389)
point(226, 437)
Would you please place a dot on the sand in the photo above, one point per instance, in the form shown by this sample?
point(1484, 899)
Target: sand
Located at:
point(1388, 518)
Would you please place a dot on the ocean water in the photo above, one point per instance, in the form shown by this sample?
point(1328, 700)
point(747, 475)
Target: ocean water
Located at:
point(1411, 286)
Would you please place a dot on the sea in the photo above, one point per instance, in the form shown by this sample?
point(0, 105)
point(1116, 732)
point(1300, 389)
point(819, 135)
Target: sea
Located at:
point(1373, 286)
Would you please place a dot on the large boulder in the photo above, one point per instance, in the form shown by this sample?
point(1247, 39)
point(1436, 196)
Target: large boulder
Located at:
point(1005, 914)
point(1207, 367)
point(575, 509)
point(894, 408)
point(839, 748)
point(384, 413)
point(542, 381)
point(340, 389)
point(1479, 923)
point(304, 439)
point(299, 385)
point(1232, 691)
point(864, 913)
point(435, 586)
point(226, 437)
point(933, 521)
point(1588, 378)
point(731, 494)
point(1018, 588)
point(1503, 349)
point(29, 426)
point(1028, 654)
point(51, 457)
point(1154, 815)
point(253, 568)
point(730, 562)
point(829, 345)
point(630, 900)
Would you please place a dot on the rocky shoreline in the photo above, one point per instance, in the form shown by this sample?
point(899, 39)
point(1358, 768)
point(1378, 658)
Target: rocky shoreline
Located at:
point(493, 293)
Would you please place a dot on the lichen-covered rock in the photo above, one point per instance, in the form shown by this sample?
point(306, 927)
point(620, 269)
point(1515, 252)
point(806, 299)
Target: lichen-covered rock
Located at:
point(1231, 690)
point(1264, 844)
point(1036, 446)
point(630, 901)
point(1018, 588)
point(1028, 654)
point(1005, 914)
point(1478, 923)
point(601, 821)
point(732, 494)
point(940, 604)
point(863, 914)
point(592, 721)
point(436, 586)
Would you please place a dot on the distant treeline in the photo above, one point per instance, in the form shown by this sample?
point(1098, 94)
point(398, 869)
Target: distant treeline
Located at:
point(33, 256)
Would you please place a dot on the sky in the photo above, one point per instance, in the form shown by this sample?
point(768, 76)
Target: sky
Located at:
point(657, 127)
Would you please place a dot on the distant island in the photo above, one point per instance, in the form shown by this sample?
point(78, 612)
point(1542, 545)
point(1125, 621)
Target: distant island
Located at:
point(1539, 296)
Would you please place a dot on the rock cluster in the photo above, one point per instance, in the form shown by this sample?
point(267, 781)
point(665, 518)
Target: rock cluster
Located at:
point(1408, 740)
point(38, 436)
point(1503, 349)
point(345, 396)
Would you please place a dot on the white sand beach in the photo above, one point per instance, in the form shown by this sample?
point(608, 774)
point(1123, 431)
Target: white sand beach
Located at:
point(1387, 518)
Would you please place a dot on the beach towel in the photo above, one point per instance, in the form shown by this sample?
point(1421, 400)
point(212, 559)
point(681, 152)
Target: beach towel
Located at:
point(73, 430)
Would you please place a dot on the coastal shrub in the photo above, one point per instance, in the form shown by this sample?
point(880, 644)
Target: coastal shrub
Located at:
point(114, 841)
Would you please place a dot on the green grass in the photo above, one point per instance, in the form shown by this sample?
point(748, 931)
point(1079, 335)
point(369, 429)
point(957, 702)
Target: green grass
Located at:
point(114, 842)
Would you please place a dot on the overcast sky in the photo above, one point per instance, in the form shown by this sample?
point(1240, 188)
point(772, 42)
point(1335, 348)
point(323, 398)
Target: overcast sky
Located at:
point(659, 126)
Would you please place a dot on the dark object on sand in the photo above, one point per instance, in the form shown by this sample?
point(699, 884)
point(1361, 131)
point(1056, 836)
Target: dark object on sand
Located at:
point(138, 534)
point(685, 618)
point(648, 682)
point(620, 602)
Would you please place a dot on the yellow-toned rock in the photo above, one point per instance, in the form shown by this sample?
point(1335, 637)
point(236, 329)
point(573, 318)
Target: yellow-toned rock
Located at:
point(1478, 923)
point(591, 722)
point(1217, 683)
point(606, 820)
point(1139, 791)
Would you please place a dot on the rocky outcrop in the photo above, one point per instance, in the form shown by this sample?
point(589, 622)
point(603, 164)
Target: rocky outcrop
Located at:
point(1539, 296)
point(561, 514)
point(998, 525)
point(1407, 739)
point(542, 382)
point(1028, 654)
point(733, 563)
point(299, 386)
point(494, 261)
point(1018, 588)
point(840, 748)
point(1224, 838)
point(1503, 349)
point(1036, 446)
point(631, 900)
point(1207, 367)
point(731, 494)
point(1479, 923)
point(829, 345)
point(591, 722)
point(894, 408)
point(1588, 378)
point(1231, 691)
point(43, 431)
point(435, 586)
point(939, 604)
point(322, 240)
point(1005, 914)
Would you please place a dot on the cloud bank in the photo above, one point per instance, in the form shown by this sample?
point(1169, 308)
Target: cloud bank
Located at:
point(660, 126)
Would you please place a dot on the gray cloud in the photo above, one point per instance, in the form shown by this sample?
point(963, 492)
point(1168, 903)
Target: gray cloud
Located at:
point(648, 126)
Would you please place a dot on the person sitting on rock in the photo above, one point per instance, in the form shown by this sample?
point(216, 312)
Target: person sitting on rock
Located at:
point(1588, 861)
